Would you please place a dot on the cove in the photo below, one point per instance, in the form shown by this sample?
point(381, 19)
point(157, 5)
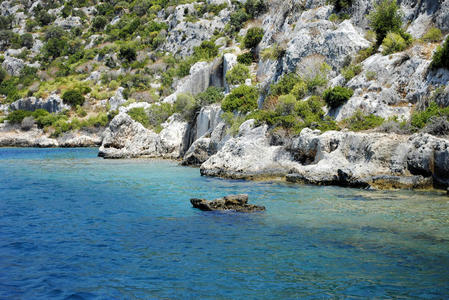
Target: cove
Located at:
point(75, 226)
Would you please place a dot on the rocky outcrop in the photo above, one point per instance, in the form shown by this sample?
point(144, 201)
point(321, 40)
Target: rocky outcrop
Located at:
point(375, 160)
point(118, 99)
point(13, 66)
point(249, 155)
point(52, 104)
point(238, 203)
point(126, 138)
point(17, 136)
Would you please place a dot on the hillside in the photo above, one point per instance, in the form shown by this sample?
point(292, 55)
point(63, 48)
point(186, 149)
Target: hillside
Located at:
point(349, 92)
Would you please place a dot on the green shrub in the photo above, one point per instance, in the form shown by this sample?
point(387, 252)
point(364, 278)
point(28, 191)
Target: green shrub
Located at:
point(392, 43)
point(241, 99)
point(370, 75)
point(186, 106)
point(206, 51)
point(285, 84)
point(286, 105)
point(253, 37)
point(433, 35)
point(334, 97)
point(211, 95)
point(386, 17)
point(441, 56)
point(158, 114)
point(420, 119)
point(351, 71)
point(246, 58)
point(238, 74)
point(299, 90)
point(99, 23)
point(73, 98)
point(127, 53)
point(365, 53)
point(16, 116)
point(237, 20)
point(273, 52)
point(138, 114)
point(360, 121)
point(26, 40)
point(341, 4)
point(255, 8)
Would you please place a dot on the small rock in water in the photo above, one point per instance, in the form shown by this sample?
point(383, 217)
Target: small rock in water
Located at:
point(237, 203)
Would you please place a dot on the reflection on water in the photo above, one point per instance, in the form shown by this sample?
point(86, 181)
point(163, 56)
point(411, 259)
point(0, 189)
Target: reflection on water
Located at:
point(72, 224)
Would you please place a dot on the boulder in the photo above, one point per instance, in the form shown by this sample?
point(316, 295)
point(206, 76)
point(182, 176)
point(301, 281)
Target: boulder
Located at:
point(13, 66)
point(126, 138)
point(238, 203)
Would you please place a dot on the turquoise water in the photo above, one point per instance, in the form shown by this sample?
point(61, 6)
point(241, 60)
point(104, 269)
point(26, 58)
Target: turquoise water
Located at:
point(74, 226)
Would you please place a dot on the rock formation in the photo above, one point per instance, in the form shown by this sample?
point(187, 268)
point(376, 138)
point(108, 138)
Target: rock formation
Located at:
point(238, 203)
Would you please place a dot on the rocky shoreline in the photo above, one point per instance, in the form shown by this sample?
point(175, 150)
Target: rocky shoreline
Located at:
point(344, 158)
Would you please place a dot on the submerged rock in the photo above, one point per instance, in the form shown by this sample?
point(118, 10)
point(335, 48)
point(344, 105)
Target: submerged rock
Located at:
point(237, 203)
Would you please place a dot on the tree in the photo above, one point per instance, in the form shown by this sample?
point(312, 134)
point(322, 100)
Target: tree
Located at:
point(73, 98)
point(128, 53)
point(99, 23)
point(336, 96)
point(241, 99)
point(253, 37)
point(385, 18)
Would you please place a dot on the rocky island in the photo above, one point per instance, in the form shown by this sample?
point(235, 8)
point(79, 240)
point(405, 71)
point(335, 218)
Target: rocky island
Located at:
point(238, 203)
point(342, 92)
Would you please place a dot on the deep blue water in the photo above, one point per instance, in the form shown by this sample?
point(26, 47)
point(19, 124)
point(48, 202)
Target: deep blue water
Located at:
point(74, 226)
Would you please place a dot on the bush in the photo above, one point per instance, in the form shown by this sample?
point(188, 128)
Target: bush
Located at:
point(360, 121)
point(99, 23)
point(237, 75)
point(26, 40)
point(206, 51)
point(186, 106)
point(334, 97)
point(127, 53)
point(385, 18)
point(285, 84)
point(211, 95)
point(138, 114)
point(433, 35)
point(255, 8)
point(17, 116)
point(246, 58)
point(241, 99)
point(392, 43)
point(253, 37)
point(420, 119)
point(273, 52)
point(351, 71)
point(341, 4)
point(286, 105)
point(441, 56)
point(158, 114)
point(237, 20)
point(299, 90)
point(73, 98)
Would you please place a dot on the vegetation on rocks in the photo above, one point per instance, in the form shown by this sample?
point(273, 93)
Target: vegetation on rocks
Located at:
point(238, 74)
point(335, 97)
point(242, 99)
point(441, 57)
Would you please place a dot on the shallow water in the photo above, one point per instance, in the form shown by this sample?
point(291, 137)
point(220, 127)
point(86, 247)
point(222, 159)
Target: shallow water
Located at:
point(79, 227)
